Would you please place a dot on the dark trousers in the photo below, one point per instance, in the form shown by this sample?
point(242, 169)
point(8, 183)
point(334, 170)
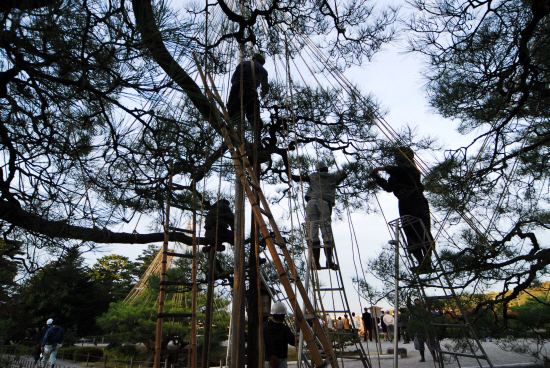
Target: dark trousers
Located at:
point(418, 241)
point(250, 107)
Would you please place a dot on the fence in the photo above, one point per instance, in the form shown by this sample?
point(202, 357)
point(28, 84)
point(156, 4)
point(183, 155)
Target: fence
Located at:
point(17, 356)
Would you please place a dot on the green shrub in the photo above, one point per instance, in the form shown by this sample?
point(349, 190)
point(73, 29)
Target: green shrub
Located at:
point(82, 353)
point(70, 339)
point(127, 351)
point(66, 353)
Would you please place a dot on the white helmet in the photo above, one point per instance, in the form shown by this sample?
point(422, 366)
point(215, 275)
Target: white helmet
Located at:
point(278, 308)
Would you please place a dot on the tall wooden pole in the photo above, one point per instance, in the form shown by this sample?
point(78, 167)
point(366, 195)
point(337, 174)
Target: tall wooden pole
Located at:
point(194, 266)
point(237, 315)
point(162, 294)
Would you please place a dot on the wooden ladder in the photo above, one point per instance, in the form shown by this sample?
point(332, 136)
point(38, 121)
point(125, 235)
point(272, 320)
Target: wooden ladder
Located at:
point(262, 213)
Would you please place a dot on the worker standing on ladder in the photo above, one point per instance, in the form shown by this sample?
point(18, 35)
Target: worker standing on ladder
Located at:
point(404, 182)
point(218, 219)
point(277, 337)
point(249, 74)
point(320, 198)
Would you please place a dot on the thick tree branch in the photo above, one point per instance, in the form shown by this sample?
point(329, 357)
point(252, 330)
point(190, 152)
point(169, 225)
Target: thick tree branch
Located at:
point(15, 215)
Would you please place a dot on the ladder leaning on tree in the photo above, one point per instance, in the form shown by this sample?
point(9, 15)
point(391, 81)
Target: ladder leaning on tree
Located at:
point(161, 315)
point(261, 211)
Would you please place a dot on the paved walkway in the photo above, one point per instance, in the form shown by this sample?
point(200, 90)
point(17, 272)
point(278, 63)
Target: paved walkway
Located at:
point(498, 356)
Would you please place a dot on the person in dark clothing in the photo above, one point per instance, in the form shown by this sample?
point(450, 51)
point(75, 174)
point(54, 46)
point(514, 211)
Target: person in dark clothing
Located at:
point(403, 321)
point(248, 76)
point(51, 343)
point(404, 182)
point(419, 326)
point(277, 337)
point(367, 324)
point(38, 337)
point(218, 219)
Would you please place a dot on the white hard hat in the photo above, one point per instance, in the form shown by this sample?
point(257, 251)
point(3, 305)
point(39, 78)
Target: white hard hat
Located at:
point(321, 165)
point(49, 322)
point(278, 308)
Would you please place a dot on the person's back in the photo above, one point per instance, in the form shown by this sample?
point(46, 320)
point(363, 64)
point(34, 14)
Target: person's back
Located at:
point(277, 337)
point(323, 185)
point(253, 75)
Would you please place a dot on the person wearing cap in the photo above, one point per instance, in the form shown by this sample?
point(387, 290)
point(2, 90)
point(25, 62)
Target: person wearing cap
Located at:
point(277, 337)
point(51, 342)
point(248, 76)
point(320, 198)
point(404, 182)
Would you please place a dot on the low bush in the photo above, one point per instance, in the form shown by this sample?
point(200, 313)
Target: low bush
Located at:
point(68, 353)
point(127, 350)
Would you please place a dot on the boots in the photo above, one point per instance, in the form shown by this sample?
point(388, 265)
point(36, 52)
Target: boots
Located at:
point(316, 256)
point(330, 262)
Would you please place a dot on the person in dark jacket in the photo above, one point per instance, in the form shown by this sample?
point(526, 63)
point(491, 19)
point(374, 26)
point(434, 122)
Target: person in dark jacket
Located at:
point(51, 342)
point(367, 324)
point(248, 76)
point(277, 337)
point(218, 219)
point(404, 182)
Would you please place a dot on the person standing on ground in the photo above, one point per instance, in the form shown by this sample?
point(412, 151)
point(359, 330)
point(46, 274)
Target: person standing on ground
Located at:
point(346, 323)
point(277, 337)
point(51, 342)
point(419, 325)
point(404, 182)
point(248, 76)
point(339, 324)
point(367, 323)
point(320, 198)
point(383, 326)
point(389, 321)
point(357, 322)
point(402, 322)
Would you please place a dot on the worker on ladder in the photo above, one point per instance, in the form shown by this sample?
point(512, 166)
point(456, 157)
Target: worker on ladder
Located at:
point(404, 182)
point(320, 198)
point(248, 76)
point(219, 218)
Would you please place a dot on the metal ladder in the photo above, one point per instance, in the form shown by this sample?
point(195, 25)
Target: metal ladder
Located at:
point(246, 174)
point(432, 276)
point(337, 292)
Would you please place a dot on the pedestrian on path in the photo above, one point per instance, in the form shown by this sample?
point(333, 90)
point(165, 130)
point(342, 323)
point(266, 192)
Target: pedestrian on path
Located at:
point(51, 342)
point(389, 321)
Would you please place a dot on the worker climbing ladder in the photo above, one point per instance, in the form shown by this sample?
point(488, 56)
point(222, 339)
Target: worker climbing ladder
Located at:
point(431, 277)
point(191, 350)
point(335, 294)
point(245, 172)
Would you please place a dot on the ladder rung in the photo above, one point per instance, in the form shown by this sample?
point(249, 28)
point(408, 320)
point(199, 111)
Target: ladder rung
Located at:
point(278, 243)
point(342, 333)
point(176, 283)
point(265, 213)
point(181, 255)
point(309, 316)
point(175, 315)
point(463, 354)
point(329, 289)
point(257, 188)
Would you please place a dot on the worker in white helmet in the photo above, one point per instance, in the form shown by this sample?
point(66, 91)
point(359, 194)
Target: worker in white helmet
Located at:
point(277, 337)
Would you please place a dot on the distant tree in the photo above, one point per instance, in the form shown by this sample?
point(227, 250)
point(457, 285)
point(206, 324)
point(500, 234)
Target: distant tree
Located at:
point(64, 291)
point(117, 274)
